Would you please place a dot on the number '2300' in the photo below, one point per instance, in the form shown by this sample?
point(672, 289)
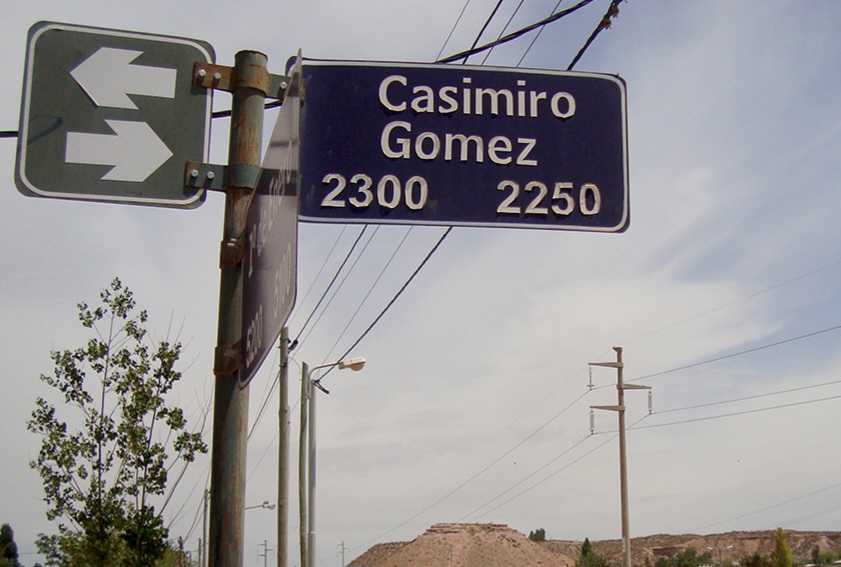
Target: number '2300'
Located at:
point(389, 192)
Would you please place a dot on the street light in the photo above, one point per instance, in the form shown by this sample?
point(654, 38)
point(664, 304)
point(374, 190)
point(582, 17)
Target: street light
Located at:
point(306, 458)
point(266, 504)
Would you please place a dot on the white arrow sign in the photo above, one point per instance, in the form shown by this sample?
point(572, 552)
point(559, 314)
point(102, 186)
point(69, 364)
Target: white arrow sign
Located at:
point(134, 150)
point(108, 77)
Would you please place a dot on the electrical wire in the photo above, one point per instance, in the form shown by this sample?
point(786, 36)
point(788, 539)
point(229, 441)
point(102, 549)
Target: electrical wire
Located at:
point(754, 397)
point(559, 471)
point(514, 35)
point(735, 354)
point(332, 281)
point(370, 291)
point(612, 12)
point(504, 29)
point(745, 412)
point(396, 296)
point(480, 473)
point(768, 508)
point(456, 57)
point(536, 36)
point(303, 299)
point(732, 303)
point(484, 27)
point(341, 284)
point(513, 486)
point(455, 25)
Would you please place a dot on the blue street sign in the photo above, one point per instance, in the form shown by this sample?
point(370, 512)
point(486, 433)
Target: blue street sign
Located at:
point(463, 146)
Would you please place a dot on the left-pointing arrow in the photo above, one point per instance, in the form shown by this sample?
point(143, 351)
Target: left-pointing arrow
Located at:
point(108, 76)
point(134, 150)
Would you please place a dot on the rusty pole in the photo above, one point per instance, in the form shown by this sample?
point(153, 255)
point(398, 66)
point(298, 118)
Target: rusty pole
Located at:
point(249, 87)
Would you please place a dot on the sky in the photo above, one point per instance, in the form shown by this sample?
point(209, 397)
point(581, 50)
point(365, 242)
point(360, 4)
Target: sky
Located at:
point(474, 406)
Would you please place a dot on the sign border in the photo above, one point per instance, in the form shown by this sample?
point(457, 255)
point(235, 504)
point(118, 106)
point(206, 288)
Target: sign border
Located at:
point(35, 32)
point(619, 227)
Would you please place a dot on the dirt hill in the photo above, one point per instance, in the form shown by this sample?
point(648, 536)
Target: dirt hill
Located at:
point(464, 545)
point(497, 545)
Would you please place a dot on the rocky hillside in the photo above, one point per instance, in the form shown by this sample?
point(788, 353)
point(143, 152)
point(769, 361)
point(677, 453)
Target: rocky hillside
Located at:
point(497, 545)
point(464, 545)
point(724, 548)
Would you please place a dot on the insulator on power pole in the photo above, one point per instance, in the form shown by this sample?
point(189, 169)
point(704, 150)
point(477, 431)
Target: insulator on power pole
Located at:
point(590, 383)
point(650, 403)
point(592, 422)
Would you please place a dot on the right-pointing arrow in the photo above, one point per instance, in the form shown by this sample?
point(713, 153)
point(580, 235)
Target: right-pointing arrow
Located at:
point(108, 77)
point(134, 150)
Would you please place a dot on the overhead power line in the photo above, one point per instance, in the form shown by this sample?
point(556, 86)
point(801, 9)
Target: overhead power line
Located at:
point(332, 281)
point(455, 25)
point(612, 12)
point(754, 397)
point(514, 35)
point(736, 354)
point(505, 28)
point(485, 26)
point(737, 413)
point(396, 296)
point(536, 36)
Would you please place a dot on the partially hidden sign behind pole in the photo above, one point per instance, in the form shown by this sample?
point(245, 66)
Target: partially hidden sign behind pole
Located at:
point(463, 146)
point(270, 263)
point(110, 115)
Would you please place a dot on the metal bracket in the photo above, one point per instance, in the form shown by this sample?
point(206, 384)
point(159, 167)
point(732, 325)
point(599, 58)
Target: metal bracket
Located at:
point(227, 359)
point(244, 175)
point(233, 251)
point(205, 176)
point(221, 77)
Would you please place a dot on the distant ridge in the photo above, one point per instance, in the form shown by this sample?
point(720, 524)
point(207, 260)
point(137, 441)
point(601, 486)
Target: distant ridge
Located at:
point(497, 545)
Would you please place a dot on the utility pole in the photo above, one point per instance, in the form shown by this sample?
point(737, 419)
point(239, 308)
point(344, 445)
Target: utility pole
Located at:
point(342, 550)
point(311, 470)
point(623, 464)
point(303, 522)
point(283, 450)
point(265, 554)
point(203, 545)
point(249, 82)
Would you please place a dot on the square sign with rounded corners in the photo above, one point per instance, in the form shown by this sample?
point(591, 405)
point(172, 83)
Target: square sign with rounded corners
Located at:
point(110, 115)
point(463, 146)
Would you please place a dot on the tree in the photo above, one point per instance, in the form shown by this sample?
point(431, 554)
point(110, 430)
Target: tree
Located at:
point(8, 547)
point(590, 558)
point(685, 558)
point(781, 556)
point(755, 560)
point(106, 465)
point(538, 535)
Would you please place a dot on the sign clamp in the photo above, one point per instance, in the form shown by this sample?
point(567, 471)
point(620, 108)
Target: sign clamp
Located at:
point(212, 177)
point(228, 358)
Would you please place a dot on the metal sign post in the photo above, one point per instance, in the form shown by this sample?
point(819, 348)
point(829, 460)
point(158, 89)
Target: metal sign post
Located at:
point(111, 116)
point(463, 146)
